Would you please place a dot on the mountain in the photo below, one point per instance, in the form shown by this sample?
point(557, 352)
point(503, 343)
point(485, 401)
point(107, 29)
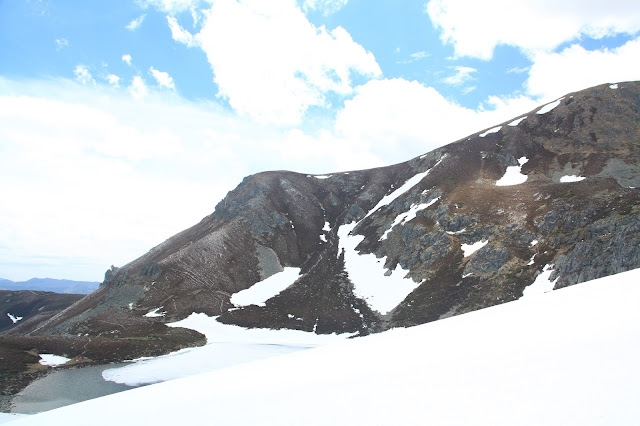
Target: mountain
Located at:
point(21, 309)
point(546, 200)
point(522, 363)
point(50, 284)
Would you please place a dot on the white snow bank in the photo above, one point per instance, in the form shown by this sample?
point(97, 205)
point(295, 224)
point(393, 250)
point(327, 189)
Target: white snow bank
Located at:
point(227, 345)
point(613, 86)
point(14, 319)
point(469, 249)
point(541, 285)
point(550, 106)
point(493, 130)
point(322, 176)
point(154, 313)
point(513, 175)
point(367, 273)
point(567, 357)
point(264, 290)
point(571, 178)
point(408, 215)
point(388, 199)
point(53, 360)
point(517, 121)
point(9, 417)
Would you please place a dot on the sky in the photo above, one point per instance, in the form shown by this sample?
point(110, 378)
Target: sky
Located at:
point(125, 122)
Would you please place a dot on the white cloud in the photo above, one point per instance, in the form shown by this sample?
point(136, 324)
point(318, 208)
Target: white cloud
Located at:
point(462, 75)
point(179, 34)
point(476, 28)
point(162, 78)
point(284, 64)
point(399, 119)
point(83, 75)
point(327, 7)
point(113, 80)
point(135, 23)
point(61, 43)
point(575, 68)
point(138, 88)
point(172, 6)
point(126, 59)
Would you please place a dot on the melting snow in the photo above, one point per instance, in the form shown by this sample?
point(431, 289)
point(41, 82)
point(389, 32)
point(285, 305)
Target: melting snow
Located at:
point(555, 346)
point(512, 175)
point(53, 360)
point(13, 319)
point(322, 176)
point(387, 199)
point(154, 313)
point(532, 260)
point(382, 293)
point(326, 227)
point(493, 130)
point(469, 249)
point(548, 107)
point(517, 121)
point(323, 238)
point(613, 86)
point(264, 290)
point(571, 178)
point(541, 285)
point(533, 243)
point(456, 232)
point(227, 345)
point(408, 215)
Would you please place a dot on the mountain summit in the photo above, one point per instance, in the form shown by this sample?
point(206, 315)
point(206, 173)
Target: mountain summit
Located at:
point(543, 201)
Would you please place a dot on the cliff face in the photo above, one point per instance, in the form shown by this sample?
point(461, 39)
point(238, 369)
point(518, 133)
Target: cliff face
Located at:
point(469, 225)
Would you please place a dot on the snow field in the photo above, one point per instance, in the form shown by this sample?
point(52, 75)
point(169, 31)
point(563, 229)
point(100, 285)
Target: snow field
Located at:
point(53, 360)
point(367, 273)
point(571, 178)
point(550, 106)
point(469, 249)
point(513, 175)
point(566, 357)
point(264, 290)
point(492, 130)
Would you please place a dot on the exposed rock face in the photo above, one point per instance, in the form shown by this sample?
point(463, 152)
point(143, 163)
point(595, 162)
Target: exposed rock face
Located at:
point(576, 208)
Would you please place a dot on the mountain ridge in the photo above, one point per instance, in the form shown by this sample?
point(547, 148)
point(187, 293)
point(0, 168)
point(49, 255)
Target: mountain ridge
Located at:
point(573, 209)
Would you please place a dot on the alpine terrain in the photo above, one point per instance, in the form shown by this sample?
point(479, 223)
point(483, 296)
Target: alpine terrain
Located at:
point(544, 201)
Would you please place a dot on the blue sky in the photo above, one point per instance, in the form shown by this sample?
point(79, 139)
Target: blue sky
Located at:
point(124, 122)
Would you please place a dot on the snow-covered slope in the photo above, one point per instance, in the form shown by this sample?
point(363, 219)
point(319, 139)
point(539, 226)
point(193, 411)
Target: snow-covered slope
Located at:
point(564, 357)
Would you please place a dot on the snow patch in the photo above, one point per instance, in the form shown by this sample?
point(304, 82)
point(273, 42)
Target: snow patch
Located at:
point(323, 238)
point(13, 319)
point(555, 340)
point(388, 199)
point(155, 313)
point(517, 121)
point(542, 283)
point(53, 360)
point(571, 178)
point(456, 232)
point(493, 130)
point(613, 86)
point(532, 260)
point(469, 249)
point(533, 243)
point(322, 176)
point(513, 175)
point(408, 215)
point(264, 290)
point(382, 293)
point(326, 227)
point(550, 106)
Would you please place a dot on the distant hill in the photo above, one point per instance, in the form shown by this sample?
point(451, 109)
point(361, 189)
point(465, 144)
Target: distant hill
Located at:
point(50, 284)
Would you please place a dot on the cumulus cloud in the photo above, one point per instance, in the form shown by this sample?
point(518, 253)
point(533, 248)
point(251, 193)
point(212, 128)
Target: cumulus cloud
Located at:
point(162, 78)
point(113, 80)
point(476, 28)
point(575, 68)
point(83, 75)
point(138, 88)
point(400, 119)
point(327, 7)
point(462, 75)
point(179, 34)
point(135, 23)
point(284, 64)
point(126, 59)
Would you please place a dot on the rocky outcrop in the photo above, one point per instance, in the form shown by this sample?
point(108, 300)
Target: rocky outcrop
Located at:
point(462, 241)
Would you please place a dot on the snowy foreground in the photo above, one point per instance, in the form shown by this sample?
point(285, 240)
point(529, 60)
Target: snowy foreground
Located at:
point(567, 357)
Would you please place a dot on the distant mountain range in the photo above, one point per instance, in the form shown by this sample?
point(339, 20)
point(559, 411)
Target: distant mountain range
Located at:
point(50, 284)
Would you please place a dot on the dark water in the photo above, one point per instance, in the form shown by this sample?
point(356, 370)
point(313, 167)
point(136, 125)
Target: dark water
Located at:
point(65, 387)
